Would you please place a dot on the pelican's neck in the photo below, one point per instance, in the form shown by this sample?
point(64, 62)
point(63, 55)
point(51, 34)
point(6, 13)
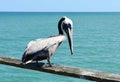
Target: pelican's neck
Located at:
point(60, 26)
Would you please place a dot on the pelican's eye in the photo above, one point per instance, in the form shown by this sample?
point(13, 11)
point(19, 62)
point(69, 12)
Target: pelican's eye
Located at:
point(69, 26)
point(66, 25)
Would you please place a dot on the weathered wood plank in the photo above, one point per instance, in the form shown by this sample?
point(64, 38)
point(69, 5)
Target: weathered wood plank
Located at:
point(82, 73)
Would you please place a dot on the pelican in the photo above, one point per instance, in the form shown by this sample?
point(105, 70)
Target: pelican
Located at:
point(43, 48)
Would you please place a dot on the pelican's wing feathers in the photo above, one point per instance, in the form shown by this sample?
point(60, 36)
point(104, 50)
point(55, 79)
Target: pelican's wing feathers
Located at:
point(43, 43)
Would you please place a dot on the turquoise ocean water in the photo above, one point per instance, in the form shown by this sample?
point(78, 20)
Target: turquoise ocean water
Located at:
point(96, 43)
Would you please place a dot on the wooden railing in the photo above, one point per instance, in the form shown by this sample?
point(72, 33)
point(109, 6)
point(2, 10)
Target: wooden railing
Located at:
point(81, 73)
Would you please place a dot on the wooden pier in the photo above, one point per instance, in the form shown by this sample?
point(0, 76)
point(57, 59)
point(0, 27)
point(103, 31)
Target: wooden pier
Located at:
point(81, 73)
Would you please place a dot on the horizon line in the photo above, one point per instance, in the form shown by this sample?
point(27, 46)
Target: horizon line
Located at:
point(66, 11)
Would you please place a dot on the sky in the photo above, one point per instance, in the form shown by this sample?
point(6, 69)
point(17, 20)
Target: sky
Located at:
point(59, 5)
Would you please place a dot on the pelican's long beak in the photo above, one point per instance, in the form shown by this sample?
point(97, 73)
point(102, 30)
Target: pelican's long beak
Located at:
point(69, 35)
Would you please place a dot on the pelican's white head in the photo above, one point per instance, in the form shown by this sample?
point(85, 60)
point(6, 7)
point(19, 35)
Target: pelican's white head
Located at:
point(65, 24)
